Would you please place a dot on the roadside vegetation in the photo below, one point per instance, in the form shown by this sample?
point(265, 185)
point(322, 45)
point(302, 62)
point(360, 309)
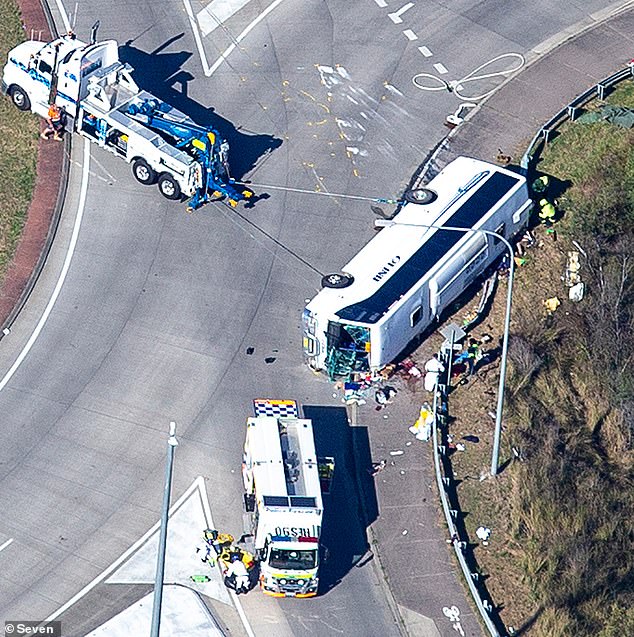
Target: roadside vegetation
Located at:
point(18, 148)
point(560, 561)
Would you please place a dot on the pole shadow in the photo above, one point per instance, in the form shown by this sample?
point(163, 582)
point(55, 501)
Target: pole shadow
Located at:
point(351, 506)
point(160, 72)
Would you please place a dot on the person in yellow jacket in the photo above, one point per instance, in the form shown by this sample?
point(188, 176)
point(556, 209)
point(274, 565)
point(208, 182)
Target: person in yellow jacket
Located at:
point(547, 212)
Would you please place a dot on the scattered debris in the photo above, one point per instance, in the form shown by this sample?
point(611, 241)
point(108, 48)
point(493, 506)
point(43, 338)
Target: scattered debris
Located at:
point(377, 467)
point(571, 275)
point(422, 427)
point(501, 158)
point(250, 350)
point(619, 115)
point(575, 293)
point(551, 305)
point(471, 438)
point(484, 533)
point(433, 368)
point(396, 453)
point(270, 359)
point(404, 532)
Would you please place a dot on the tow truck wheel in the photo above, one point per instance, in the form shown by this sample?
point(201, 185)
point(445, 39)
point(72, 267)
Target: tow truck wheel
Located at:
point(337, 280)
point(420, 196)
point(20, 99)
point(143, 172)
point(169, 187)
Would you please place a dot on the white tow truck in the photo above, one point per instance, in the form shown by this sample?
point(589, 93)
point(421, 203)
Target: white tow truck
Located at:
point(103, 103)
point(283, 498)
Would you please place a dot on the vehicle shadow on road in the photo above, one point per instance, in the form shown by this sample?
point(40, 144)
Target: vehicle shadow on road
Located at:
point(160, 72)
point(351, 506)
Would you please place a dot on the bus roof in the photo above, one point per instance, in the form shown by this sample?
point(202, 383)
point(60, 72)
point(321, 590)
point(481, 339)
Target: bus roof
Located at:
point(389, 265)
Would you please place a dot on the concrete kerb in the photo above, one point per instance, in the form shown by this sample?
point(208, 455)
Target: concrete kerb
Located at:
point(426, 170)
point(38, 18)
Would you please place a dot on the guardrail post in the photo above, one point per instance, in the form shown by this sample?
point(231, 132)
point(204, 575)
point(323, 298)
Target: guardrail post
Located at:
point(445, 481)
point(453, 513)
point(601, 91)
point(572, 113)
point(475, 576)
point(442, 449)
point(545, 133)
point(487, 605)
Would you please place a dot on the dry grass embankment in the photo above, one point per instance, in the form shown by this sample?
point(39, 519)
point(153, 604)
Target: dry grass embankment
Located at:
point(18, 148)
point(560, 560)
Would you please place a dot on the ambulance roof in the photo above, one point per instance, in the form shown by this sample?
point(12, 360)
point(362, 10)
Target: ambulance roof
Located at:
point(389, 265)
point(284, 462)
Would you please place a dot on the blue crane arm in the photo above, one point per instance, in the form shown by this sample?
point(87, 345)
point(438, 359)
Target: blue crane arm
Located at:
point(205, 145)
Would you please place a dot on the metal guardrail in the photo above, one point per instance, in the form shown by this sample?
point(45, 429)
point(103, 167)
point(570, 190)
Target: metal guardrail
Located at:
point(570, 111)
point(440, 410)
point(440, 414)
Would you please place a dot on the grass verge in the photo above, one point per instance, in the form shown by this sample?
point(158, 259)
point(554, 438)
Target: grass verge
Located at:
point(18, 149)
point(559, 562)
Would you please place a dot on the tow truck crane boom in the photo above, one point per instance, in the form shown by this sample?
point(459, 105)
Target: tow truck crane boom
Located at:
point(203, 143)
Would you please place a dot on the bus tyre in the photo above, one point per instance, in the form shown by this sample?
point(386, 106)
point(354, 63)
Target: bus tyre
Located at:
point(337, 281)
point(142, 172)
point(169, 187)
point(420, 195)
point(20, 99)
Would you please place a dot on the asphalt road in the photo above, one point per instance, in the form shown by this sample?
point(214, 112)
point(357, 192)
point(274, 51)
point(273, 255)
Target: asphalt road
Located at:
point(158, 307)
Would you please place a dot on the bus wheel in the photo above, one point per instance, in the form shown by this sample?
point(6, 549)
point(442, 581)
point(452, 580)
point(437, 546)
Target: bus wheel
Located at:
point(143, 172)
point(420, 195)
point(337, 280)
point(169, 187)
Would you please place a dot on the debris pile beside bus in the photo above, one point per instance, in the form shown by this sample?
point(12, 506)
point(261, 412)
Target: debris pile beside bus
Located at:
point(401, 282)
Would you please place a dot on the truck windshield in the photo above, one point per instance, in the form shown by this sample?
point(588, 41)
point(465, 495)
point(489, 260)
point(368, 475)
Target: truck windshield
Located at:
point(293, 560)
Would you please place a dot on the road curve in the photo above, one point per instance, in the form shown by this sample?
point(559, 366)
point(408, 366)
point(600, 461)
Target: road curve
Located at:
point(157, 307)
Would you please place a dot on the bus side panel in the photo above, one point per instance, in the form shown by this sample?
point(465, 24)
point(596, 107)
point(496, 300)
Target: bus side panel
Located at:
point(392, 334)
point(459, 273)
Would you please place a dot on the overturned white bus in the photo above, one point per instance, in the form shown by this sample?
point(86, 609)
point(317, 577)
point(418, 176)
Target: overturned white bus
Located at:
point(406, 276)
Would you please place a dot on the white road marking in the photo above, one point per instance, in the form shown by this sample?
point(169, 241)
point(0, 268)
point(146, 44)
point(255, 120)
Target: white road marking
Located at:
point(182, 613)
point(381, 3)
point(199, 483)
point(425, 51)
point(243, 35)
point(62, 275)
point(410, 35)
point(396, 16)
point(62, 11)
point(216, 12)
point(4, 546)
point(197, 38)
point(440, 68)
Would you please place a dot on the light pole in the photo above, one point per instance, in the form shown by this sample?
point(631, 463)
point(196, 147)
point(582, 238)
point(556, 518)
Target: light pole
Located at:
point(160, 561)
point(386, 223)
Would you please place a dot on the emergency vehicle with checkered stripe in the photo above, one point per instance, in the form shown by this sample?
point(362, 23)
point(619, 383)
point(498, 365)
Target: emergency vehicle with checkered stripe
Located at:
point(283, 497)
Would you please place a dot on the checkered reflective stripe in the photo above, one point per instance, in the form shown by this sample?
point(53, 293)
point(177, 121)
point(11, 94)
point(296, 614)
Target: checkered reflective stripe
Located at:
point(275, 408)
